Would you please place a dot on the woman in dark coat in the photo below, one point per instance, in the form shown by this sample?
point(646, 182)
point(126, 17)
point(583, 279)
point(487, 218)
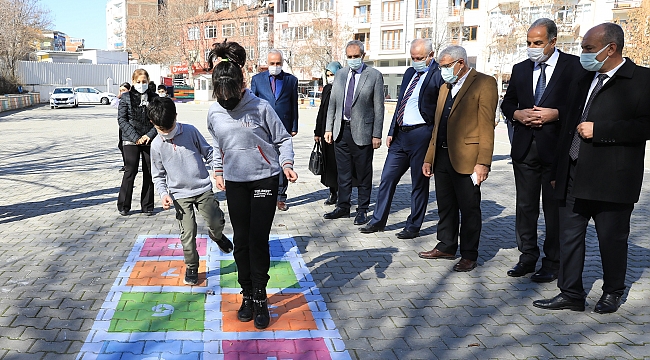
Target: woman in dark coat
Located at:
point(329, 176)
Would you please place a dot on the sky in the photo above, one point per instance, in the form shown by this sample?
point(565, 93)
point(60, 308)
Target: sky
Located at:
point(84, 19)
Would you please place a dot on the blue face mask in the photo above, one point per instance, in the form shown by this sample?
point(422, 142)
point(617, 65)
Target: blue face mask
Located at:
point(589, 62)
point(355, 64)
point(420, 66)
point(448, 74)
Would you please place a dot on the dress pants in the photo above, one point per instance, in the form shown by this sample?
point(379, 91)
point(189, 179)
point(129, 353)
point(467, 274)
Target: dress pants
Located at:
point(132, 155)
point(352, 156)
point(612, 221)
point(408, 149)
point(252, 207)
point(531, 176)
point(456, 192)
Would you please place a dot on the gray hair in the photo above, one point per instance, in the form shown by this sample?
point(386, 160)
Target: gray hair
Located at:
point(356, 43)
point(551, 28)
point(613, 33)
point(428, 44)
point(456, 52)
point(276, 51)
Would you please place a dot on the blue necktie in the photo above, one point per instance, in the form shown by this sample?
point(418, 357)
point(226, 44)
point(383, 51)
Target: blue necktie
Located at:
point(347, 106)
point(541, 83)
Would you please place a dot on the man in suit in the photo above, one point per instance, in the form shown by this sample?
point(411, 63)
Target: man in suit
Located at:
point(355, 117)
point(599, 168)
point(280, 89)
point(408, 140)
point(460, 155)
point(535, 103)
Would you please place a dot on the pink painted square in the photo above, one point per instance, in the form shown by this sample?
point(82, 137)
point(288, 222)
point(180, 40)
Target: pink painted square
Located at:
point(169, 247)
point(303, 349)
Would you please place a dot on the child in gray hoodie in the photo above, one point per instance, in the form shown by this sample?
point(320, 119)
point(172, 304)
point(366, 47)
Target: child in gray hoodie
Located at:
point(181, 178)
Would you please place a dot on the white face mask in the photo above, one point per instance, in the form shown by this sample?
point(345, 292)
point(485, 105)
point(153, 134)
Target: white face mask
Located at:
point(536, 55)
point(141, 88)
point(162, 94)
point(170, 135)
point(275, 70)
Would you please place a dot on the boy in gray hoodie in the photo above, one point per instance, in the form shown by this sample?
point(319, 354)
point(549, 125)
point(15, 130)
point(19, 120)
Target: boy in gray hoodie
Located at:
point(181, 178)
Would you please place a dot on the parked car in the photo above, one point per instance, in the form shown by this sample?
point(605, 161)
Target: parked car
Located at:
point(63, 96)
point(92, 95)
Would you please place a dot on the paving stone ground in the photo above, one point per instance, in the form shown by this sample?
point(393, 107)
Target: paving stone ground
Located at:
point(62, 245)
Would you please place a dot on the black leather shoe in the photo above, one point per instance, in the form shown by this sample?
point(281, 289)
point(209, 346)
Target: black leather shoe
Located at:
point(521, 269)
point(608, 304)
point(361, 218)
point(337, 213)
point(544, 276)
point(124, 212)
point(331, 200)
point(371, 228)
point(407, 234)
point(561, 302)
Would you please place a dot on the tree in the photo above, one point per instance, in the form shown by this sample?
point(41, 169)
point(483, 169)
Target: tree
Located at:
point(637, 34)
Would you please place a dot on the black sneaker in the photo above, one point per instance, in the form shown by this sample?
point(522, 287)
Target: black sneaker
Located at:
point(191, 276)
point(224, 243)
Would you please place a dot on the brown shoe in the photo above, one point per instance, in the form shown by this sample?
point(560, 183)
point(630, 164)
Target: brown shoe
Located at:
point(282, 206)
point(436, 254)
point(465, 265)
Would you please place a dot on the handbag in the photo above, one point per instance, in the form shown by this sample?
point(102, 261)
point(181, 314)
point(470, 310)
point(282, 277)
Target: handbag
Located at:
point(316, 161)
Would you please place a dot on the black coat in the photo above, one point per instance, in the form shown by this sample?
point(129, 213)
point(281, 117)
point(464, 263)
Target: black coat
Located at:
point(329, 177)
point(132, 117)
point(610, 166)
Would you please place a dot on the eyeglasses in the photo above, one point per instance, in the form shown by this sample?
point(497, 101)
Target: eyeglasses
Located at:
point(447, 66)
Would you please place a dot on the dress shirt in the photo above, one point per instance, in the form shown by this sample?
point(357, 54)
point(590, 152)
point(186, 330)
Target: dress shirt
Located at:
point(552, 63)
point(610, 74)
point(356, 83)
point(459, 84)
point(279, 81)
point(412, 114)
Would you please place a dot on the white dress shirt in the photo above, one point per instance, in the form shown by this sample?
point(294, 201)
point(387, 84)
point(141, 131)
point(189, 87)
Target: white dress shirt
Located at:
point(412, 114)
point(459, 84)
point(552, 64)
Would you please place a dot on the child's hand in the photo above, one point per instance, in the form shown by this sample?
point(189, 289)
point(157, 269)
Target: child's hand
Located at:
point(167, 202)
point(290, 174)
point(221, 184)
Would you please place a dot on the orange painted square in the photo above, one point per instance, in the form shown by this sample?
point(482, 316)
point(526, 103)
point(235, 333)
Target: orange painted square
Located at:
point(289, 312)
point(162, 273)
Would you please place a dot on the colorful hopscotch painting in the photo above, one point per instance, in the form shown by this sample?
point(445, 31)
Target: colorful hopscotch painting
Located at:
point(149, 314)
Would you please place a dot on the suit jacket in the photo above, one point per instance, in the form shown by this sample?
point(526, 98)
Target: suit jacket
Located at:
point(428, 96)
point(367, 112)
point(286, 103)
point(520, 95)
point(470, 127)
point(610, 165)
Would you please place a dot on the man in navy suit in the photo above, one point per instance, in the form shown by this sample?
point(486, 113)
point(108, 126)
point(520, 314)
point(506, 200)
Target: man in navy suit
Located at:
point(408, 140)
point(280, 89)
point(535, 104)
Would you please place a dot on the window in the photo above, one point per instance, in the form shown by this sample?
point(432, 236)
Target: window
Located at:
point(246, 29)
point(364, 38)
point(469, 33)
point(193, 56)
point(250, 52)
point(471, 4)
point(282, 6)
point(422, 9)
point(265, 24)
point(391, 39)
point(423, 33)
point(228, 30)
point(391, 10)
point(308, 5)
point(300, 32)
point(207, 55)
point(362, 14)
point(210, 32)
point(193, 33)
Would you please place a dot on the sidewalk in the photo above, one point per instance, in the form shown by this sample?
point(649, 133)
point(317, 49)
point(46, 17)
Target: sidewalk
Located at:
point(63, 247)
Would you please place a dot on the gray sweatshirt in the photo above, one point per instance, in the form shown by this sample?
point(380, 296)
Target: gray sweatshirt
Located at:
point(177, 166)
point(250, 141)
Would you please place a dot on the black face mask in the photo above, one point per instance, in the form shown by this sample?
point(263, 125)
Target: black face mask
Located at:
point(229, 104)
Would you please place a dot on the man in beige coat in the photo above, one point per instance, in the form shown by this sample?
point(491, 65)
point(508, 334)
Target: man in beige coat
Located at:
point(460, 155)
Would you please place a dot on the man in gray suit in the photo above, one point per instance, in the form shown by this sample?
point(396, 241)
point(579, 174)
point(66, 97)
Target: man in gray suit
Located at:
point(355, 117)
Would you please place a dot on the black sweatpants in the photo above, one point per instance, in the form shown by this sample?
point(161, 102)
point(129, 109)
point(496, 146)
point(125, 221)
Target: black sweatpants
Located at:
point(132, 154)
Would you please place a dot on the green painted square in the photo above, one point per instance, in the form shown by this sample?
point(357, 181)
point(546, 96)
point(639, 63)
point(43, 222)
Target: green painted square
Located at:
point(281, 275)
point(159, 312)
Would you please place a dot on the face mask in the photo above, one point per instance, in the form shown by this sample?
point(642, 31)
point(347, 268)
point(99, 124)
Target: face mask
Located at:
point(170, 135)
point(589, 62)
point(162, 94)
point(275, 70)
point(141, 88)
point(330, 79)
point(448, 74)
point(419, 66)
point(355, 64)
point(537, 54)
point(229, 104)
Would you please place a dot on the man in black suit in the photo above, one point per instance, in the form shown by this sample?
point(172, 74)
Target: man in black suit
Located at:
point(599, 169)
point(408, 140)
point(535, 103)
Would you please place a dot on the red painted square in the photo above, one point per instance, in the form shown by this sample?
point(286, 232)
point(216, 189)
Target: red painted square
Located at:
point(303, 349)
point(289, 312)
point(170, 247)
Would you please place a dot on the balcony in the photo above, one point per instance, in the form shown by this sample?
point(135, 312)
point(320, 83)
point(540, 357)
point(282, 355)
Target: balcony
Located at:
point(391, 45)
point(455, 14)
point(423, 13)
point(388, 16)
point(362, 21)
point(626, 4)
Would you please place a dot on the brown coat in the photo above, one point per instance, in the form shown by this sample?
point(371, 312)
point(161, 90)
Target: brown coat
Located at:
point(470, 127)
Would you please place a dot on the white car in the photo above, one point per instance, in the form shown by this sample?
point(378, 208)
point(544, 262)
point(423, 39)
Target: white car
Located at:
point(92, 95)
point(63, 96)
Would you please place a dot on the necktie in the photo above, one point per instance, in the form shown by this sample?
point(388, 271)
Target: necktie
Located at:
point(575, 143)
point(405, 99)
point(347, 107)
point(273, 85)
point(541, 83)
